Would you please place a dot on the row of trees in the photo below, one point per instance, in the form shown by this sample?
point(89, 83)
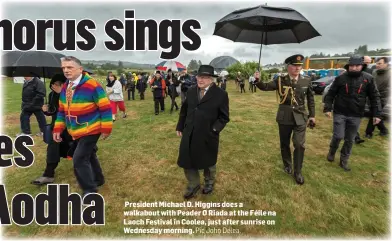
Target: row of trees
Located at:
point(194, 64)
point(246, 69)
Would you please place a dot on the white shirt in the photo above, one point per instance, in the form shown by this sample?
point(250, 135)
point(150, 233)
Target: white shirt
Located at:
point(77, 81)
point(206, 89)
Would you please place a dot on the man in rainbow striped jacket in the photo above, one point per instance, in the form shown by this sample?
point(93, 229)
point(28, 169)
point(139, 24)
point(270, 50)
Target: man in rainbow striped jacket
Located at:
point(84, 109)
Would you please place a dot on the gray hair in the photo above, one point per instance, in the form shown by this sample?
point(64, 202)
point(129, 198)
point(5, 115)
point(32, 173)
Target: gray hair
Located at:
point(71, 58)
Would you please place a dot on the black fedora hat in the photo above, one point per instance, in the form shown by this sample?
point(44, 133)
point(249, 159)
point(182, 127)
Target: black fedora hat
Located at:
point(206, 70)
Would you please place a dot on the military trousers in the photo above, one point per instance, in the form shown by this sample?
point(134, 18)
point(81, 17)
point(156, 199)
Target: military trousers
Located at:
point(193, 176)
point(297, 132)
point(344, 127)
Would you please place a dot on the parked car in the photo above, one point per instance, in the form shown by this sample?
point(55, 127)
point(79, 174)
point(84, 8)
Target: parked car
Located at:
point(320, 84)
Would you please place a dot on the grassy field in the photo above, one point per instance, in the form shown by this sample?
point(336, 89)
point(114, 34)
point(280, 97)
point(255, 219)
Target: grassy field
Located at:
point(139, 162)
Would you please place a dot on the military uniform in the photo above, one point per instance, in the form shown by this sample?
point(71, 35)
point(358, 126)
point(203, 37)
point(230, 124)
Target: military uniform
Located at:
point(292, 116)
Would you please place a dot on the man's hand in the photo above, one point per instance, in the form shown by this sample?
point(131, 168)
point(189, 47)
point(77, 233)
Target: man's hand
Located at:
point(311, 122)
point(57, 137)
point(328, 114)
point(45, 108)
point(105, 136)
point(179, 133)
point(376, 120)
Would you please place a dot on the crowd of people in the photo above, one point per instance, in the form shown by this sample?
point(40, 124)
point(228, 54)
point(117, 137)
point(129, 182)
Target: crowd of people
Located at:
point(83, 110)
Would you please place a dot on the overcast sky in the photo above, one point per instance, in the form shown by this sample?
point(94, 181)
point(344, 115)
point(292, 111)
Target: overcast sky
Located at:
point(343, 26)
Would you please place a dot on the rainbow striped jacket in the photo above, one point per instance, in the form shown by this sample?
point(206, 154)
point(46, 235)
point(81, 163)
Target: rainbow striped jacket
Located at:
point(89, 112)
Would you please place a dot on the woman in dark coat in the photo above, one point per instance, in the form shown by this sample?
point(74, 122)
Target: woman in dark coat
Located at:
point(55, 150)
point(172, 89)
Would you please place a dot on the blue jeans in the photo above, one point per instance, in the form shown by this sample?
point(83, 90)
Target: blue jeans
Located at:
point(25, 120)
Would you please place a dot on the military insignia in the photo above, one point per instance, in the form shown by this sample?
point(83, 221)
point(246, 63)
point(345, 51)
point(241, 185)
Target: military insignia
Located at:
point(299, 58)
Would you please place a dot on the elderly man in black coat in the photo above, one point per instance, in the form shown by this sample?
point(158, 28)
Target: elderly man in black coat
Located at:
point(203, 116)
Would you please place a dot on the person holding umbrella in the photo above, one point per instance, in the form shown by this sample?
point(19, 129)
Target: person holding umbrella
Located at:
point(203, 116)
point(292, 117)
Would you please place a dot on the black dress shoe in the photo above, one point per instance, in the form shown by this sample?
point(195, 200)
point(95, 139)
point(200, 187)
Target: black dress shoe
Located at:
point(288, 170)
point(383, 133)
point(191, 192)
point(299, 178)
point(330, 158)
point(359, 141)
point(208, 188)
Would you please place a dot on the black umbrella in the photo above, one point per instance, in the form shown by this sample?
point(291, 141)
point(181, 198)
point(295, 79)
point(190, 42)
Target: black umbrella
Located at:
point(265, 25)
point(31, 63)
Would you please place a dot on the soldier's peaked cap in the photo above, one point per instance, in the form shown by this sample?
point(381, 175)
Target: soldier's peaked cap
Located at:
point(296, 59)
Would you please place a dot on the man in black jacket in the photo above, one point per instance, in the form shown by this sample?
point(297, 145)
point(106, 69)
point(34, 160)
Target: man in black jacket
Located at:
point(348, 94)
point(141, 85)
point(33, 95)
point(382, 77)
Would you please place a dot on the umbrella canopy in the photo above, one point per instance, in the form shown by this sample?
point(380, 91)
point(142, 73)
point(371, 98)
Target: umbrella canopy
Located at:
point(173, 65)
point(265, 25)
point(89, 71)
point(31, 63)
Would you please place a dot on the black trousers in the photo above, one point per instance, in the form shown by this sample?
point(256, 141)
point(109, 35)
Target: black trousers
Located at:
point(25, 120)
point(242, 87)
point(252, 87)
point(298, 132)
point(223, 86)
point(173, 103)
point(142, 95)
point(87, 169)
point(52, 158)
point(370, 127)
point(157, 102)
point(129, 94)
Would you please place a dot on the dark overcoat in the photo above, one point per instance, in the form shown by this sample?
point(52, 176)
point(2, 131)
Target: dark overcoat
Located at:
point(197, 122)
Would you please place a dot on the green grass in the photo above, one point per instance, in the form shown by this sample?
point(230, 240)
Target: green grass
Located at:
point(139, 162)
